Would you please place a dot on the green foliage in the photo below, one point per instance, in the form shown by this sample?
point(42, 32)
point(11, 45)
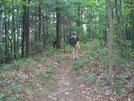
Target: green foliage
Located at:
point(127, 52)
point(6, 67)
point(99, 83)
point(120, 92)
point(93, 63)
point(90, 78)
point(92, 19)
point(102, 51)
point(18, 78)
point(3, 74)
point(92, 52)
point(51, 50)
point(119, 85)
point(65, 58)
point(127, 43)
point(49, 72)
point(16, 87)
point(79, 63)
point(119, 60)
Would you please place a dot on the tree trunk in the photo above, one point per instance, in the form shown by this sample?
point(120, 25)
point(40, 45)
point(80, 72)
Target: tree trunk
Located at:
point(18, 33)
point(14, 34)
point(24, 31)
point(44, 41)
point(89, 26)
point(39, 22)
point(58, 36)
point(119, 30)
point(27, 31)
point(132, 28)
point(79, 10)
point(110, 35)
point(6, 34)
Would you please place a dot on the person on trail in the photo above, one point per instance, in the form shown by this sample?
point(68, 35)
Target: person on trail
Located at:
point(74, 43)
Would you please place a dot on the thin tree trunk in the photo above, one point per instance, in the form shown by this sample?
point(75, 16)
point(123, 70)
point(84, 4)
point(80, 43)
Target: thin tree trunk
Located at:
point(110, 41)
point(58, 37)
point(119, 30)
point(39, 22)
point(6, 38)
point(27, 31)
point(24, 30)
point(14, 34)
point(18, 28)
point(132, 28)
point(43, 32)
point(78, 21)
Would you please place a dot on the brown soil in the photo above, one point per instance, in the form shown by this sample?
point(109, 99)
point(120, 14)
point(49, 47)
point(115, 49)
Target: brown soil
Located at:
point(66, 87)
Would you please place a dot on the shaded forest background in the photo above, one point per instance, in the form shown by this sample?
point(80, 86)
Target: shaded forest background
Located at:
point(29, 27)
point(34, 49)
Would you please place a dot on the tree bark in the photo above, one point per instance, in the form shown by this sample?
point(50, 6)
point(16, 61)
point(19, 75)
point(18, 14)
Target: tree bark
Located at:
point(58, 36)
point(79, 11)
point(14, 34)
point(24, 30)
point(132, 28)
point(27, 31)
point(110, 35)
point(119, 31)
point(6, 34)
point(39, 22)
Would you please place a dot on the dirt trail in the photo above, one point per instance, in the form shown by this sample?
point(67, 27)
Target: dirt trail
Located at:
point(71, 87)
point(66, 86)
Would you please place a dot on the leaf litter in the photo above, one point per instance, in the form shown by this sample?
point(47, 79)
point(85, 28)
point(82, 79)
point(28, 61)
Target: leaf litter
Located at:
point(86, 82)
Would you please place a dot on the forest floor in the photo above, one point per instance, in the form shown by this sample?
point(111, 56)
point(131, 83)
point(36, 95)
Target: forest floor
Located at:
point(66, 85)
point(57, 77)
point(71, 86)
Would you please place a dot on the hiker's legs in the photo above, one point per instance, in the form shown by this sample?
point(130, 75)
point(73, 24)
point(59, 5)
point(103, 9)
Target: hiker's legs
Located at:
point(76, 54)
point(73, 52)
point(76, 51)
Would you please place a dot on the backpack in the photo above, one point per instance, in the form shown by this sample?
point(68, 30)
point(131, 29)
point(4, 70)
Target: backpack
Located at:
point(73, 41)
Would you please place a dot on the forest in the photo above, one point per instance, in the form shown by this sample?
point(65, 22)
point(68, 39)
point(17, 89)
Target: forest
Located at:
point(34, 43)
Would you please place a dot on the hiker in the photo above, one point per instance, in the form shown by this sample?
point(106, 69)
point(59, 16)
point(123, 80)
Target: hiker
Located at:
point(74, 43)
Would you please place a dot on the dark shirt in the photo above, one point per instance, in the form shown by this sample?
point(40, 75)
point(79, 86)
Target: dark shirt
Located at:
point(77, 39)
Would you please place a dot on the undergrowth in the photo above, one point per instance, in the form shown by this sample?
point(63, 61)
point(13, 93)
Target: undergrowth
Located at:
point(26, 78)
point(93, 66)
